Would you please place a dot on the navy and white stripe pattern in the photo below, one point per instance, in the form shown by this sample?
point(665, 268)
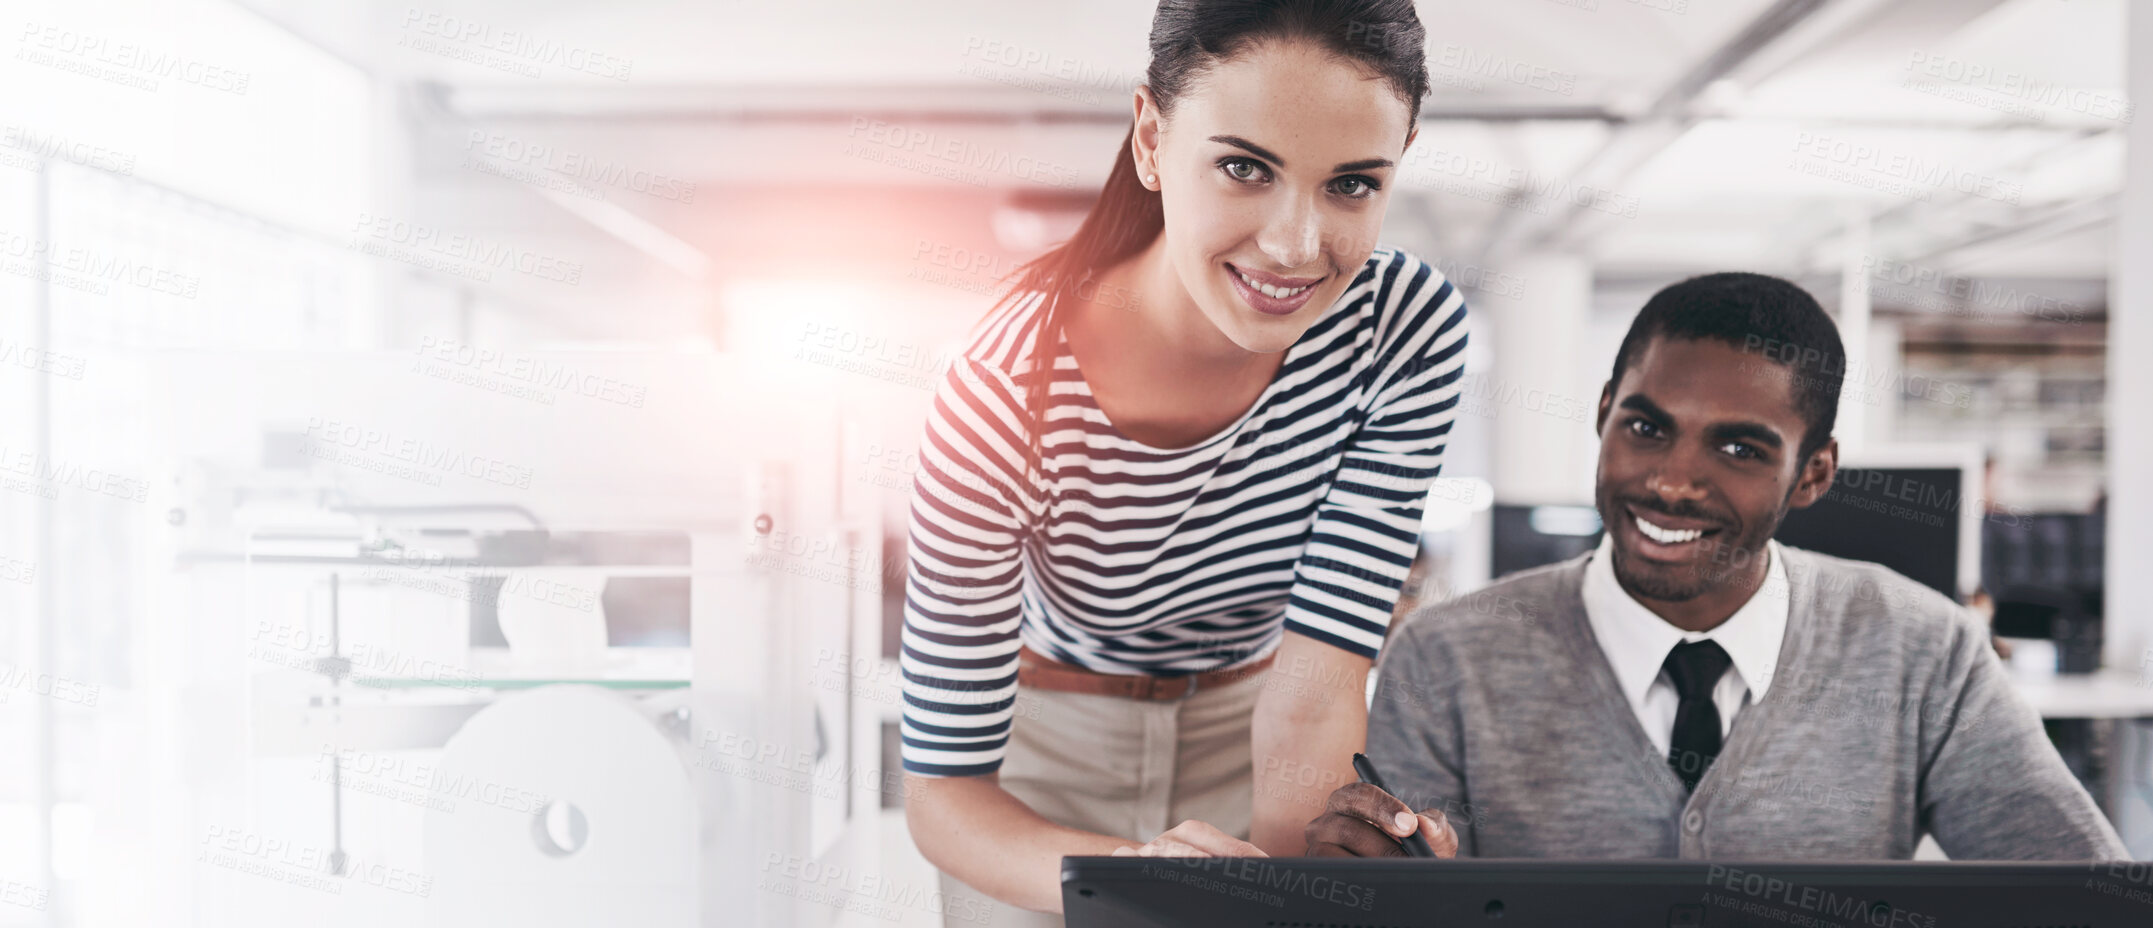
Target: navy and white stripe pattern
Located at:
point(1124, 558)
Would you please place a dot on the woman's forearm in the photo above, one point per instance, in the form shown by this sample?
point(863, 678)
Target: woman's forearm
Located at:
point(1299, 761)
point(1310, 720)
point(974, 830)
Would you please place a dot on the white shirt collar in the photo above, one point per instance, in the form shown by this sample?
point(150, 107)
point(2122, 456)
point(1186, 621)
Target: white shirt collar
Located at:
point(1636, 640)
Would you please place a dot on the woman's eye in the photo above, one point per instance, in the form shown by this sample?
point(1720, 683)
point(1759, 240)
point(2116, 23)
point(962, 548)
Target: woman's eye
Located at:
point(1241, 169)
point(1356, 187)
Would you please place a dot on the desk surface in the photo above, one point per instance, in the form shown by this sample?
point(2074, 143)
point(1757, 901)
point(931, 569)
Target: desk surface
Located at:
point(2109, 694)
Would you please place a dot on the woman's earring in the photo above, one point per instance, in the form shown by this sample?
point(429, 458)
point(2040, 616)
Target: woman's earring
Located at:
point(1151, 181)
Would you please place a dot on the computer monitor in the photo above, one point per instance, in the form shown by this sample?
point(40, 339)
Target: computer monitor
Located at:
point(1916, 510)
point(1263, 892)
point(1524, 537)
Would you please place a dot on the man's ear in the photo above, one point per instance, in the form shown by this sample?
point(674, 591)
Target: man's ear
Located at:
point(1607, 402)
point(1816, 477)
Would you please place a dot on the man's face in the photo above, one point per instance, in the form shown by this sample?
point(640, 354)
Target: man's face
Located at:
point(1698, 464)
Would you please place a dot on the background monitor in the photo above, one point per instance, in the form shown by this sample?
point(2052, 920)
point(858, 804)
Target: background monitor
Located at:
point(1914, 510)
point(1525, 537)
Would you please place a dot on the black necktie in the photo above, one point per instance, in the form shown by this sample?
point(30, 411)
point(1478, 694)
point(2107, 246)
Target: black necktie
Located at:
point(1695, 669)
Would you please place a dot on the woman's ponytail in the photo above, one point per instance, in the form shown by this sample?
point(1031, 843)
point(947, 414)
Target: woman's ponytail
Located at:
point(1125, 219)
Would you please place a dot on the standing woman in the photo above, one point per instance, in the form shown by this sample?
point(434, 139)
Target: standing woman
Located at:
point(1171, 489)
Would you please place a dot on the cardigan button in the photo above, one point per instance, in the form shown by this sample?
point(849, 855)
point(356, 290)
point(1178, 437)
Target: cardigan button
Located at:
point(1693, 821)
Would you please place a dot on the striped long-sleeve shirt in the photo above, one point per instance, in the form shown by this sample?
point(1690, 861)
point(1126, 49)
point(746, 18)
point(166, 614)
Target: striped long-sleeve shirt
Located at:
point(1125, 558)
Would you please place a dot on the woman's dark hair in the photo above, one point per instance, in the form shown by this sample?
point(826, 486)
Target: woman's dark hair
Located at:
point(1188, 37)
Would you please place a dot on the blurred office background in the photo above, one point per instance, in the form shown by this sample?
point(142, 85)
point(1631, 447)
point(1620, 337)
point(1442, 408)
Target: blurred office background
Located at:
point(455, 453)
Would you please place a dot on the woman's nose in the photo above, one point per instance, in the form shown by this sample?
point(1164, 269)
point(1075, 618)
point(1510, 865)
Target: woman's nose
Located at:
point(1294, 238)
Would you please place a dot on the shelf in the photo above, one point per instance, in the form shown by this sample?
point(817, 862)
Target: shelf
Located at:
point(2108, 694)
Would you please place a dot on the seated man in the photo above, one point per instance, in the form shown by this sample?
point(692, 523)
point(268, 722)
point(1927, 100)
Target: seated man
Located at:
point(1692, 688)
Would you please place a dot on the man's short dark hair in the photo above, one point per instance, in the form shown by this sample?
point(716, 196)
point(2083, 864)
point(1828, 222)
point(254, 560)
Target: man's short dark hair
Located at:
point(1761, 315)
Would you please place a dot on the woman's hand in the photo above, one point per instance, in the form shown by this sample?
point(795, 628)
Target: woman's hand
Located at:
point(1192, 839)
point(974, 830)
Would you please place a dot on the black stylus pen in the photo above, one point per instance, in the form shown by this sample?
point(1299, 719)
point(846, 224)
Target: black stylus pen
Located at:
point(1415, 844)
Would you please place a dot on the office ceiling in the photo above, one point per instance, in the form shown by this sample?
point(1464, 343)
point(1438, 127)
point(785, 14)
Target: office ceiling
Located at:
point(1656, 135)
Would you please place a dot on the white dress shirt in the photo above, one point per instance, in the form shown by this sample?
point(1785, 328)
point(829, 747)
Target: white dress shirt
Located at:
point(1636, 641)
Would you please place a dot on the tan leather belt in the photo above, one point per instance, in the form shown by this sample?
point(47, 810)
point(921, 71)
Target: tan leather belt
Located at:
point(1039, 671)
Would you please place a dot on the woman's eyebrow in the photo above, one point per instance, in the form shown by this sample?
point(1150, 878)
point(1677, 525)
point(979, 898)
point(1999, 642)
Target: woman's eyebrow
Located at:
point(1365, 164)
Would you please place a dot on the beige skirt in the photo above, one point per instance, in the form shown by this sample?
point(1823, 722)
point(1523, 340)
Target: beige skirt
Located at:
point(1126, 768)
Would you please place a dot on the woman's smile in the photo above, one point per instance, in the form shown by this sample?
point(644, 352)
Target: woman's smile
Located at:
point(1271, 294)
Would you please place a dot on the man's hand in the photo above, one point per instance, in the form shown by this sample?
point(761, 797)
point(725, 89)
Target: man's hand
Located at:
point(1192, 839)
point(1363, 821)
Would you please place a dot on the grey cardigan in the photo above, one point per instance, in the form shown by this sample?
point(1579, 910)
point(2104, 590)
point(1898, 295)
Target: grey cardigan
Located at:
point(1890, 716)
